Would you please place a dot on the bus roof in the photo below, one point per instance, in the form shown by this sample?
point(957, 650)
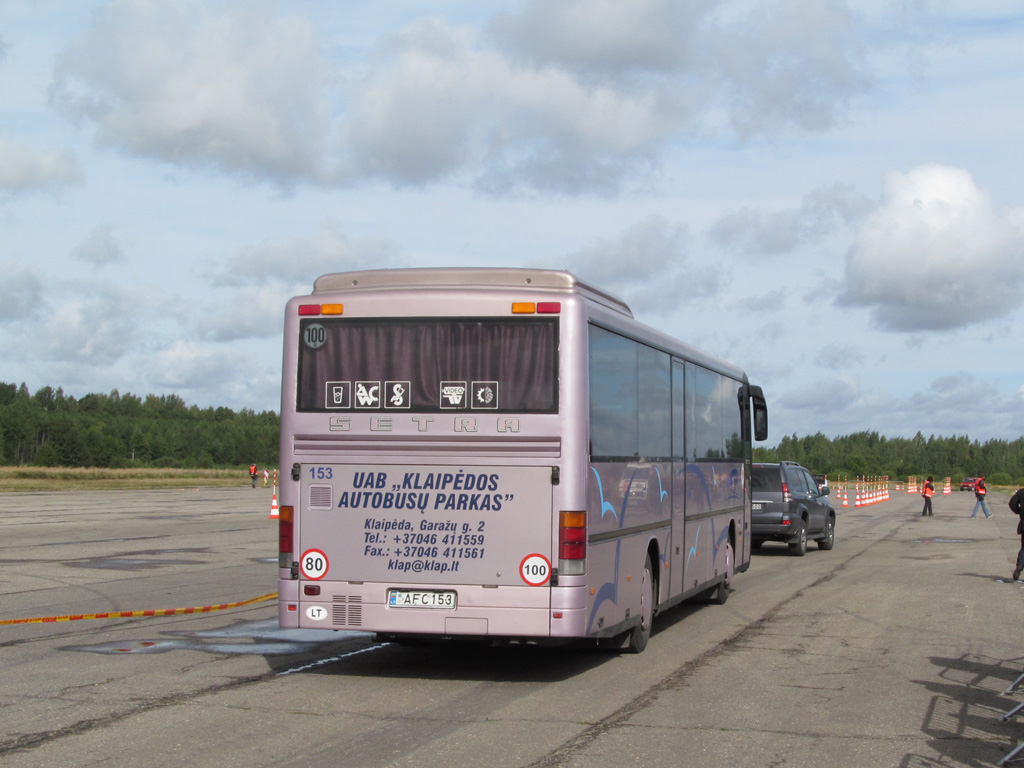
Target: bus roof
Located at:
point(469, 277)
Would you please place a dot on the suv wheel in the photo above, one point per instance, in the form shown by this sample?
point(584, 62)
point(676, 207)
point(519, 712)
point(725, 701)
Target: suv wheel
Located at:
point(829, 539)
point(798, 544)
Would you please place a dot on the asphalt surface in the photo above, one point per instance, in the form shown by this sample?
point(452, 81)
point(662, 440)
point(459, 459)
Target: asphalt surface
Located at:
point(894, 649)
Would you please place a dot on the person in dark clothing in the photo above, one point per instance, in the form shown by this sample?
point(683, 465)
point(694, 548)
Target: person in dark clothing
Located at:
point(928, 490)
point(1017, 505)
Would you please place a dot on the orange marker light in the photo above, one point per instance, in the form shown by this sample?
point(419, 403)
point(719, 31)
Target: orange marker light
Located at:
point(523, 308)
point(333, 309)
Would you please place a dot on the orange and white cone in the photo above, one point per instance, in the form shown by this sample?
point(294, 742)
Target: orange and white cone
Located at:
point(274, 509)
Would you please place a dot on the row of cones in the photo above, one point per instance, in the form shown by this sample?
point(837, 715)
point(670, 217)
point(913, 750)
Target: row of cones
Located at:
point(868, 497)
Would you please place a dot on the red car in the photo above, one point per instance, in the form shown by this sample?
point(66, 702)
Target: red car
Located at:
point(968, 483)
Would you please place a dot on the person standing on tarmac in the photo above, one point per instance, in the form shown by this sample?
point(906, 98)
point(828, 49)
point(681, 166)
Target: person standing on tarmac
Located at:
point(252, 474)
point(1017, 505)
point(979, 494)
point(928, 490)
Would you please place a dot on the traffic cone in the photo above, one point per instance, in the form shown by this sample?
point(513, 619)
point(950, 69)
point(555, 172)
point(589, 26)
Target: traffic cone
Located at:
point(275, 513)
point(846, 498)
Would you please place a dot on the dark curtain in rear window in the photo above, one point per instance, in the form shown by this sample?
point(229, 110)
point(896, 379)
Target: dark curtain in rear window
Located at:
point(505, 365)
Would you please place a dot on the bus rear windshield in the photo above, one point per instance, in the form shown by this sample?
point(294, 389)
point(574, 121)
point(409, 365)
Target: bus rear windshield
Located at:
point(428, 365)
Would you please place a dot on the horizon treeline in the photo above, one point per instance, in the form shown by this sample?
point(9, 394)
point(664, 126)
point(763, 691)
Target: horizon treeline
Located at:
point(868, 454)
point(52, 429)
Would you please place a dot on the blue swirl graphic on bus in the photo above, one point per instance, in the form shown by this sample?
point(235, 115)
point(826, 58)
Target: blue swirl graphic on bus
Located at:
point(699, 474)
point(661, 488)
point(605, 506)
point(610, 590)
point(693, 549)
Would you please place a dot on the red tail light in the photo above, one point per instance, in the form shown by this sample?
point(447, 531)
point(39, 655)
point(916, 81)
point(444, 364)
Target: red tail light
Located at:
point(285, 536)
point(785, 493)
point(572, 536)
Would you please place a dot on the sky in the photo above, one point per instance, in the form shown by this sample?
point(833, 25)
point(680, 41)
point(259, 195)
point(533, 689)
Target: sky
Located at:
point(827, 194)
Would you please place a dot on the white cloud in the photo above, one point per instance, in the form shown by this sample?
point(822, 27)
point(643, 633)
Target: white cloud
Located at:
point(436, 104)
point(788, 63)
point(293, 261)
point(100, 248)
point(241, 91)
point(935, 255)
point(21, 294)
point(821, 213)
point(190, 365)
point(604, 38)
point(648, 267)
point(92, 325)
point(24, 168)
point(252, 312)
point(569, 96)
point(826, 394)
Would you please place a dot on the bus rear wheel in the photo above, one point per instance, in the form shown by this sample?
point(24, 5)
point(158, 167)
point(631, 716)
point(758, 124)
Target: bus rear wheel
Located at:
point(641, 633)
point(721, 593)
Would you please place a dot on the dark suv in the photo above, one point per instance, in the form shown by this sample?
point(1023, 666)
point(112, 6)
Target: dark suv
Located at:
point(788, 505)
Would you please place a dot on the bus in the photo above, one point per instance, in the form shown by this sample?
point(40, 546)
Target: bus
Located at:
point(503, 455)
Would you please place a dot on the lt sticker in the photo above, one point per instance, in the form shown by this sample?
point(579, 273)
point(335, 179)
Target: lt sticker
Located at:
point(316, 612)
point(535, 570)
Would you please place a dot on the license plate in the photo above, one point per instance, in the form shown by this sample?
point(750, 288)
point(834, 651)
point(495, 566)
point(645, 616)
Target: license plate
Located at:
point(421, 598)
point(755, 507)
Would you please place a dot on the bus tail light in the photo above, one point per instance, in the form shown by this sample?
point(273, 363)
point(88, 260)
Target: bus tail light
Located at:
point(572, 543)
point(536, 308)
point(285, 536)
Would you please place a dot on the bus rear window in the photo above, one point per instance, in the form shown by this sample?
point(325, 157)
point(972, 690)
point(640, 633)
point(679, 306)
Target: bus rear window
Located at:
point(428, 365)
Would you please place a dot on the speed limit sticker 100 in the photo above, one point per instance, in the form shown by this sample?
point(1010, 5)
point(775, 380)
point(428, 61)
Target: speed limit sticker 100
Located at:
point(535, 570)
point(313, 564)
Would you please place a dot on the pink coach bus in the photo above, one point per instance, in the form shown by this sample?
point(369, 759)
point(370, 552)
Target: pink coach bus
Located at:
point(503, 454)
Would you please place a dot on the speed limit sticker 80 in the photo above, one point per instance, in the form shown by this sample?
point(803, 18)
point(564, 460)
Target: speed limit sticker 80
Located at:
point(313, 564)
point(535, 570)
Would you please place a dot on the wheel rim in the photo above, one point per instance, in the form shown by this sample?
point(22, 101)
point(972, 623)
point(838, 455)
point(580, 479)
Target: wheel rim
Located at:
point(728, 564)
point(646, 601)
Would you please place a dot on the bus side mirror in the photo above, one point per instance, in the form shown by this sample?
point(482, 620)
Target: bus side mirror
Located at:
point(760, 413)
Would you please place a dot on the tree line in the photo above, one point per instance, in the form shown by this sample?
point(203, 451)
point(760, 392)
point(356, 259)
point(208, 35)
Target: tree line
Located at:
point(50, 428)
point(868, 454)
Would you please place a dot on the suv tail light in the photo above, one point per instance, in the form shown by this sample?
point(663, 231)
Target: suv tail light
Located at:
point(785, 493)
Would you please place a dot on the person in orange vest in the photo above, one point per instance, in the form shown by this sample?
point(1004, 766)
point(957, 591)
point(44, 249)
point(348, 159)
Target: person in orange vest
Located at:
point(928, 490)
point(252, 473)
point(979, 494)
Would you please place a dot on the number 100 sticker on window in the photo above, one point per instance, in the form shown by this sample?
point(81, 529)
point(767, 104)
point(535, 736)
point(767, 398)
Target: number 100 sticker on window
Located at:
point(313, 564)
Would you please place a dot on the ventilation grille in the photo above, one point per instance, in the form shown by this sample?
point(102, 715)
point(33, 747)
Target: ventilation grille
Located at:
point(347, 611)
point(321, 496)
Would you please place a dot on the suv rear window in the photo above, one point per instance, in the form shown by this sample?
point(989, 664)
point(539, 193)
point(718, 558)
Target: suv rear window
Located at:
point(766, 479)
